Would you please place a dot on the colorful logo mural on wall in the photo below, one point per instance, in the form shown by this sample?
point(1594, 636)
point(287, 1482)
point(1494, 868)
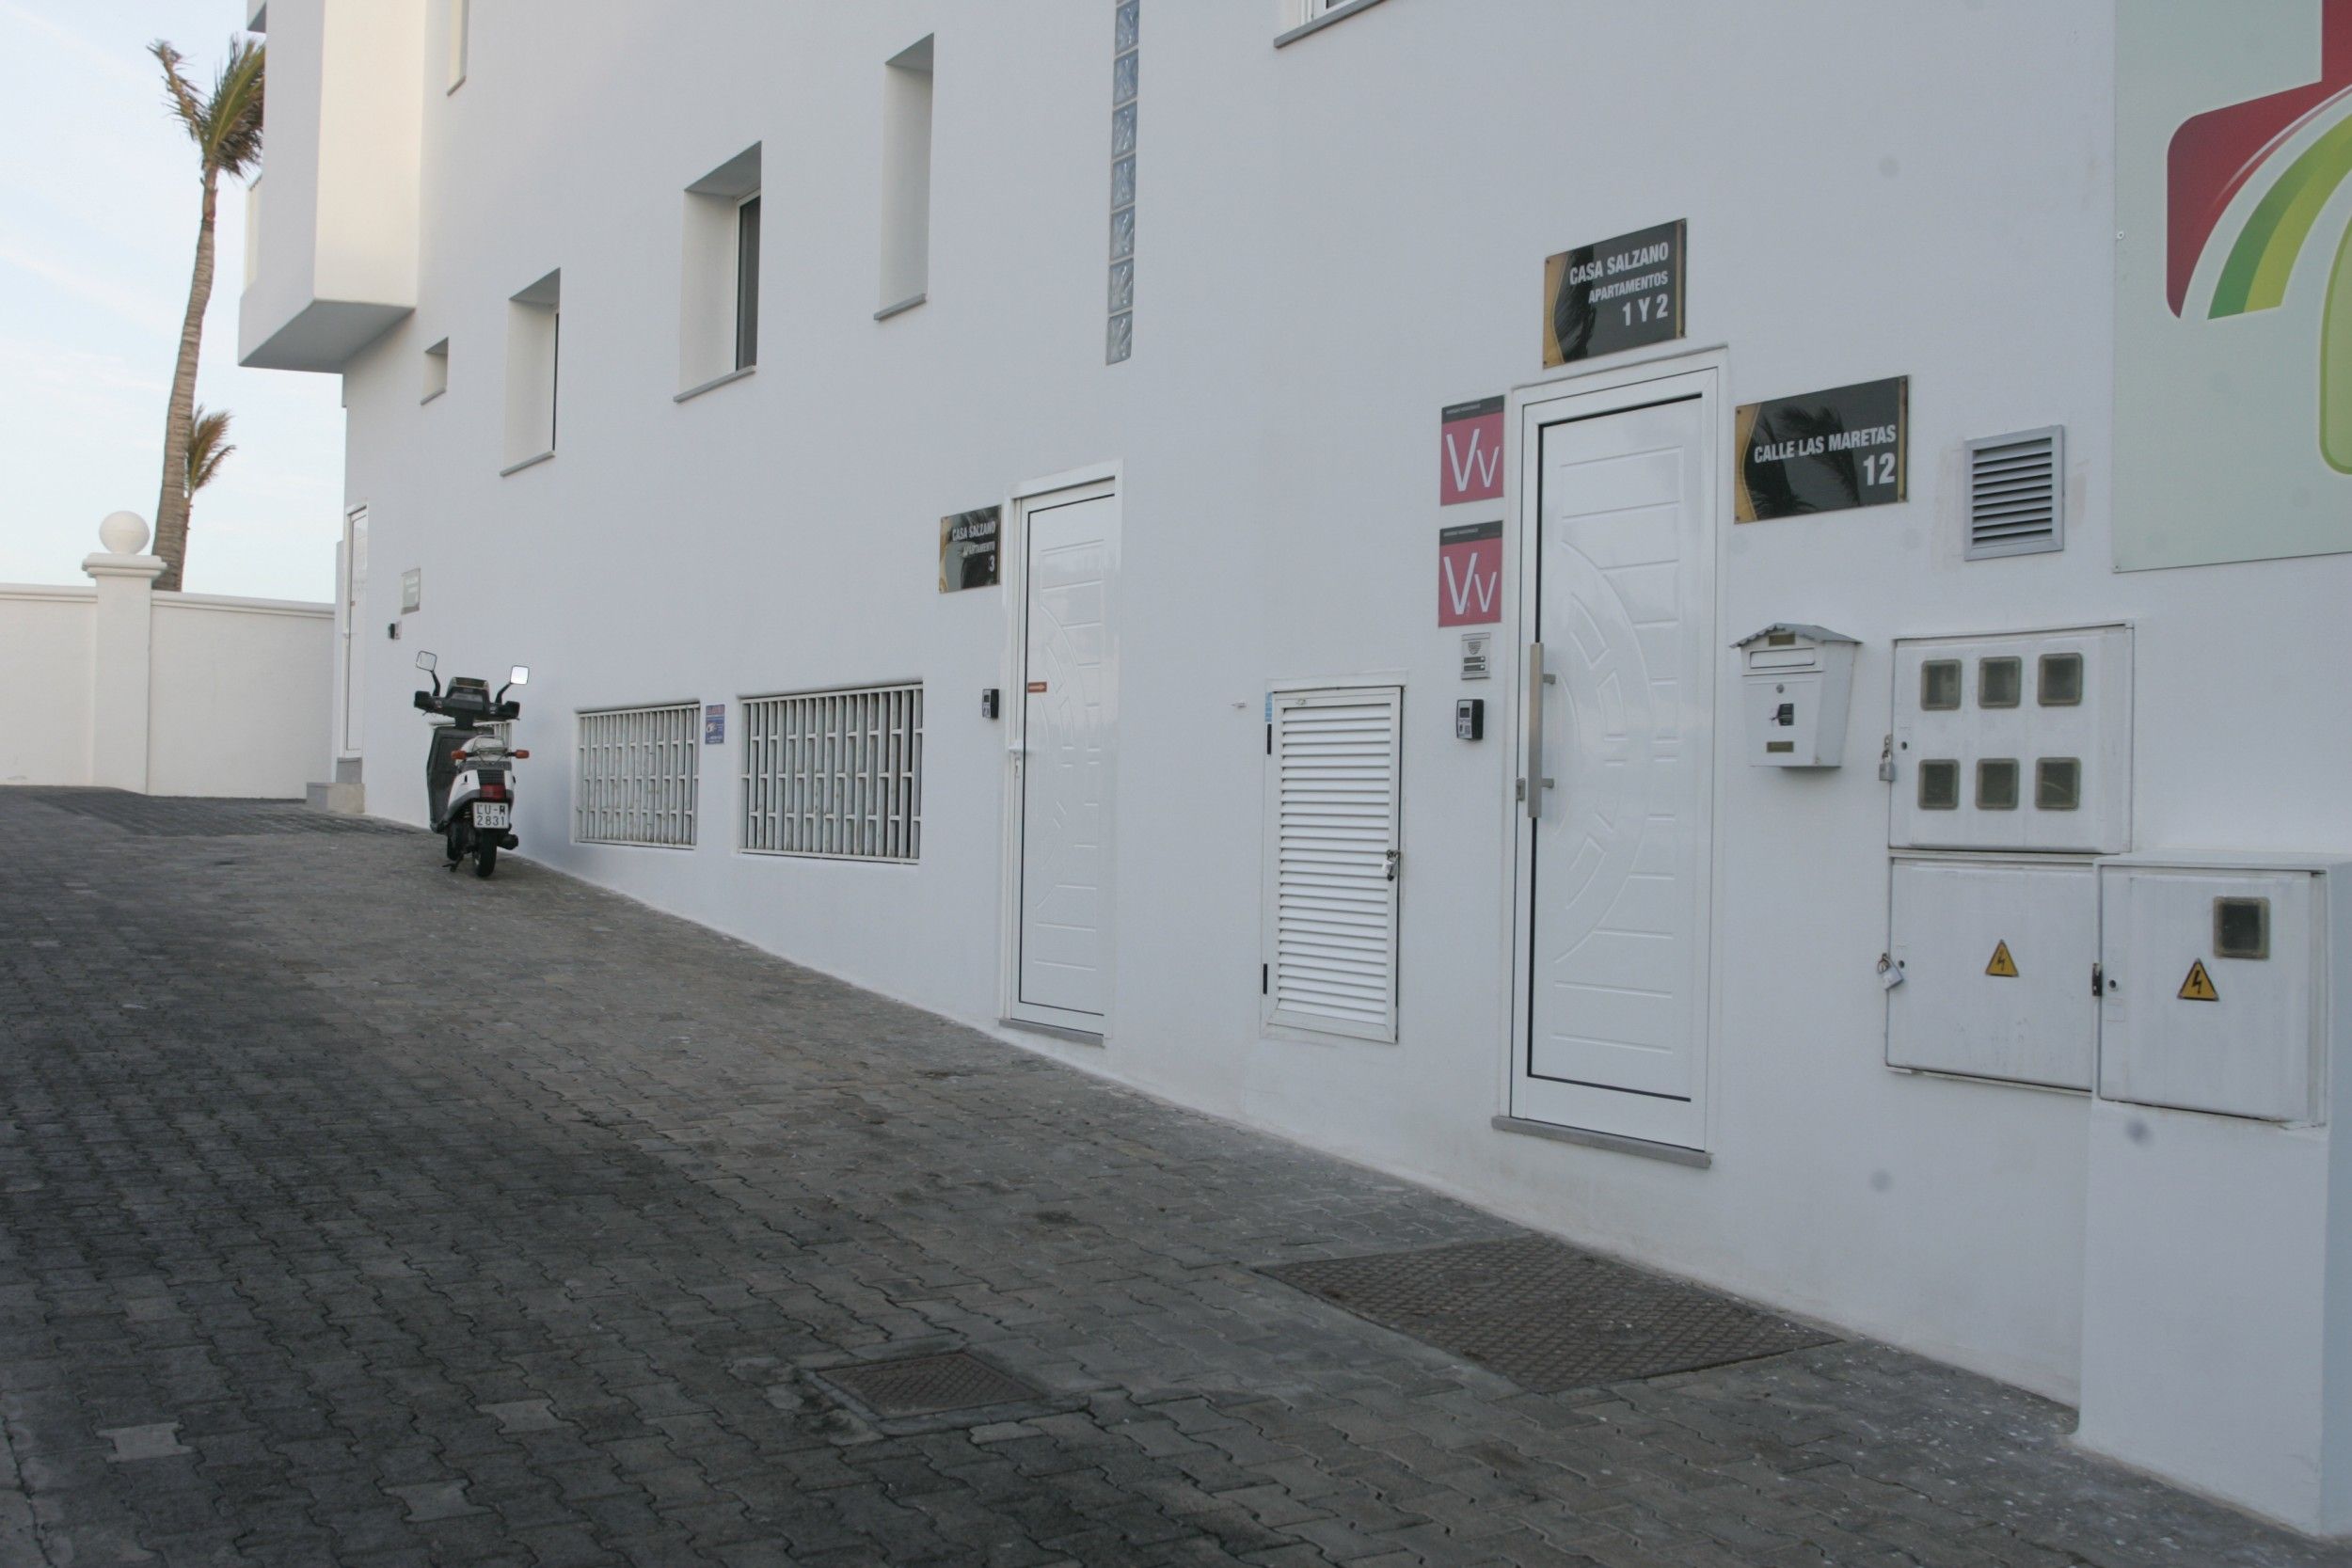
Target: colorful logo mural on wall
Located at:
point(2217, 154)
point(2234, 280)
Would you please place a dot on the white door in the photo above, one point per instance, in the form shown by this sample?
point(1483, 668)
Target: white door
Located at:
point(1333, 857)
point(1068, 717)
point(355, 593)
point(1614, 840)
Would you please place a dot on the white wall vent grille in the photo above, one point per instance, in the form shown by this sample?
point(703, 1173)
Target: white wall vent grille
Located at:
point(636, 781)
point(835, 773)
point(2017, 494)
point(1332, 860)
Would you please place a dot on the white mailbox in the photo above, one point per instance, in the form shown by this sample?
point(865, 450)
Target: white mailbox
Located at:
point(1795, 684)
point(2215, 984)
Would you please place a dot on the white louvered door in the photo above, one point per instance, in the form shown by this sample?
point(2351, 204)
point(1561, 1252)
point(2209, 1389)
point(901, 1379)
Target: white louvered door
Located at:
point(1332, 860)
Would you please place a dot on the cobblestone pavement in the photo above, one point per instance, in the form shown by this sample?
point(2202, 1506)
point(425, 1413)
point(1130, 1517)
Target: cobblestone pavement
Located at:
point(360, 1213)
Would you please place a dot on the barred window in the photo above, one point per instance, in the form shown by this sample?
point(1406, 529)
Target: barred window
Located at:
point(636, 783)
point(835, 773)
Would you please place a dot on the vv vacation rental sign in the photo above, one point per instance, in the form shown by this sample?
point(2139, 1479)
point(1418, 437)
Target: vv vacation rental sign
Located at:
point(1617, 294)
point(1469, 452)
point(1470, 573)
point(1823, 452)
point(2232, 282)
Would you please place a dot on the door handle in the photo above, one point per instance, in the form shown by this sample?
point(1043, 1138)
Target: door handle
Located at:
point(1531, 787)
point(1391, 859)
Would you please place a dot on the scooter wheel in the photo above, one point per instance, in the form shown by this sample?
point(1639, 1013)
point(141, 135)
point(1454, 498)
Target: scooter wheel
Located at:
point(485, 856)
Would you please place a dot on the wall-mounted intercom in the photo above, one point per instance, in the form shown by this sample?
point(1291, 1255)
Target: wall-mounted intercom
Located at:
point(1470, 719)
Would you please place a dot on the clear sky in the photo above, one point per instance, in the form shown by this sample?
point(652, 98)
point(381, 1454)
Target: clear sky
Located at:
point(101, 201)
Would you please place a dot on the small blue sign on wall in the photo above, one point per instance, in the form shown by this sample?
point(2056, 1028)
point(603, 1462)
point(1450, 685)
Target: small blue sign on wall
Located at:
point(715, 724)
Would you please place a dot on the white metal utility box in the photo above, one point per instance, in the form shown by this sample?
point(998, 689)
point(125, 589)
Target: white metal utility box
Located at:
point(2215, 988)
point(1994, 958)
point(2218, 1244)
point(1796, 683)
point(2017, 740)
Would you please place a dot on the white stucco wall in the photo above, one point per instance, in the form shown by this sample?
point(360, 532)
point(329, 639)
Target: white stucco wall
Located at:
point(1337, 237)
point(240, 698)
point(45, 690)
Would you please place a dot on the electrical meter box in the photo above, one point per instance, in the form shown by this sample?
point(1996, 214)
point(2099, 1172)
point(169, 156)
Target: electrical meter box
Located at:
point(1991, 961)
point(2014, 741)
point(1796, 683)
point(2215, 983)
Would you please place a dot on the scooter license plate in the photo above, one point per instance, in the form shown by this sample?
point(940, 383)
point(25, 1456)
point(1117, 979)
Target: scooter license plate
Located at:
point(486, 815)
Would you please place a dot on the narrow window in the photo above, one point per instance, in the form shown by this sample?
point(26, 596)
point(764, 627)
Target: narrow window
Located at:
point(1126, 65)
point(533, 326)
point(906, 200)
point(719, 296)
point(747, 283)
point(435, 371)
point(460, 27)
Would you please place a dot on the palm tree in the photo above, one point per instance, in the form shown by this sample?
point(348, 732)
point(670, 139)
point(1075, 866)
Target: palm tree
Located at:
point(226, 126)
point(208, 447)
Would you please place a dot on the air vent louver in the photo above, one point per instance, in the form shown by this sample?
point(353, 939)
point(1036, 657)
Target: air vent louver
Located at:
point(2016, 494)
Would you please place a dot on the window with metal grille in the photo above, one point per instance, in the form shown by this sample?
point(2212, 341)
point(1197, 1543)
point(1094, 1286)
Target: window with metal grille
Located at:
point(1332, 859)
point(837, 774)
point(636, 782)
point(2016, 494)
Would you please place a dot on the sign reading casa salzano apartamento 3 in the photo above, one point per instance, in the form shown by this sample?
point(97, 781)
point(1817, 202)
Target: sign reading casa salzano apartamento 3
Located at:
point(1823, 452)
point(1617, 294)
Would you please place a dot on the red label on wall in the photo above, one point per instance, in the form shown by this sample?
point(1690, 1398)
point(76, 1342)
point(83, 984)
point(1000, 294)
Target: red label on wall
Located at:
point(1469, 454)
point(1469, 574)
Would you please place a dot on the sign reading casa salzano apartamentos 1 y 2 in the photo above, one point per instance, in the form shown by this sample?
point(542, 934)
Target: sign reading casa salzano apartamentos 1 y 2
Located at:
point(1823, 452)
point(1617, 294)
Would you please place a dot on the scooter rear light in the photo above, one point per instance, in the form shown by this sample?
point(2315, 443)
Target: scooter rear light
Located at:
point(494, 792)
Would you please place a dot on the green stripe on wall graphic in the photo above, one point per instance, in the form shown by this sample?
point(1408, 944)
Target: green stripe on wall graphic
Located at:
point(2335, 364)
point(2255, 276)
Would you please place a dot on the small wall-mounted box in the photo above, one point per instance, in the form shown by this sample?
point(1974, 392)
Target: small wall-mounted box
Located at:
point(1795, 683)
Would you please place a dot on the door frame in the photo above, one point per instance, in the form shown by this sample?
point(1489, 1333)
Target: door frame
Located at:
point(1615, 1116)
point(350, 709)
point(1092, 483)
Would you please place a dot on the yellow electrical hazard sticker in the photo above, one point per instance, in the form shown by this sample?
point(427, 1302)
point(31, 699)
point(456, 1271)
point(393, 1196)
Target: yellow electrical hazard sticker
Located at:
point(2002, 964)
point(2198, 985)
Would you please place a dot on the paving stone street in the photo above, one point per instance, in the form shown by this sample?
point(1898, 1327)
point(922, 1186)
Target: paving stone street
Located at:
point(360, 1213)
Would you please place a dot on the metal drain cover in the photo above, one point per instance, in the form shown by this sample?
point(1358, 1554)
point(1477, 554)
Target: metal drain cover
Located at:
point(1548, 1316)
point(928, 1384)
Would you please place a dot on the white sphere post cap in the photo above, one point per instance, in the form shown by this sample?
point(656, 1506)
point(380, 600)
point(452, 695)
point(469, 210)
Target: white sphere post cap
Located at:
point(124, 534)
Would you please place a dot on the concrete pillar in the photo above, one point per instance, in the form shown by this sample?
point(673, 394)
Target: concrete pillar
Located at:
point(120, 666)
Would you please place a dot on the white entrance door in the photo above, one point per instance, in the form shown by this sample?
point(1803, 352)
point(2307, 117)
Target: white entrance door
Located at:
point(355, 593)
point(1614, 866)
point(1068, 729)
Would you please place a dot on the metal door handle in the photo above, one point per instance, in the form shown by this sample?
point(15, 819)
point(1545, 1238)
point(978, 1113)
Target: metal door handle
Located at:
point(1532, 736)
point(1392, 857)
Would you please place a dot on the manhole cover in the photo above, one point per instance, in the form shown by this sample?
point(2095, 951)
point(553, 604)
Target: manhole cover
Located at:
point(928, 1384)
point(1548, 1316)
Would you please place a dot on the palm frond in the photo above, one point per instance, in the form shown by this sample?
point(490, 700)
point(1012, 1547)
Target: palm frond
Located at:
point(178, 92)
point(208, 446)
point(233, 143)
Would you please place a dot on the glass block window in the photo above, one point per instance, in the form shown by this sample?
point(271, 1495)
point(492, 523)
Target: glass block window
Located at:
point(835, 773)
point(1126, 60)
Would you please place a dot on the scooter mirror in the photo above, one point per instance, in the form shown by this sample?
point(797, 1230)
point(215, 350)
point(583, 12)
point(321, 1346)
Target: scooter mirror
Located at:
point(520, 675)
point(426, 661)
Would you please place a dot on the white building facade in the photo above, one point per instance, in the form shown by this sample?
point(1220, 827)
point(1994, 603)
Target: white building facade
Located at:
point(1391, 411)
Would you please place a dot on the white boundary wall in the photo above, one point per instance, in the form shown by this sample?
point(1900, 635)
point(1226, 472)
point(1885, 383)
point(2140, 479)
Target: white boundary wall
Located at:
point(228, 696)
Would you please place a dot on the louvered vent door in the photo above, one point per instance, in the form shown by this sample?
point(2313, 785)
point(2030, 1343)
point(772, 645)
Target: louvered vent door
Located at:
point(1332, 860)
point(2016, 489)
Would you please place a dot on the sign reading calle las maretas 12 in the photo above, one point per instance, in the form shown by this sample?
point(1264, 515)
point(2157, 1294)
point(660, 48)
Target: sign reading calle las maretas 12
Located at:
point(1617, 294)
point(1823, 452)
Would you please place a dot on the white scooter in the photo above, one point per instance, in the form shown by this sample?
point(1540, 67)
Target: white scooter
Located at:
point(468, 773)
